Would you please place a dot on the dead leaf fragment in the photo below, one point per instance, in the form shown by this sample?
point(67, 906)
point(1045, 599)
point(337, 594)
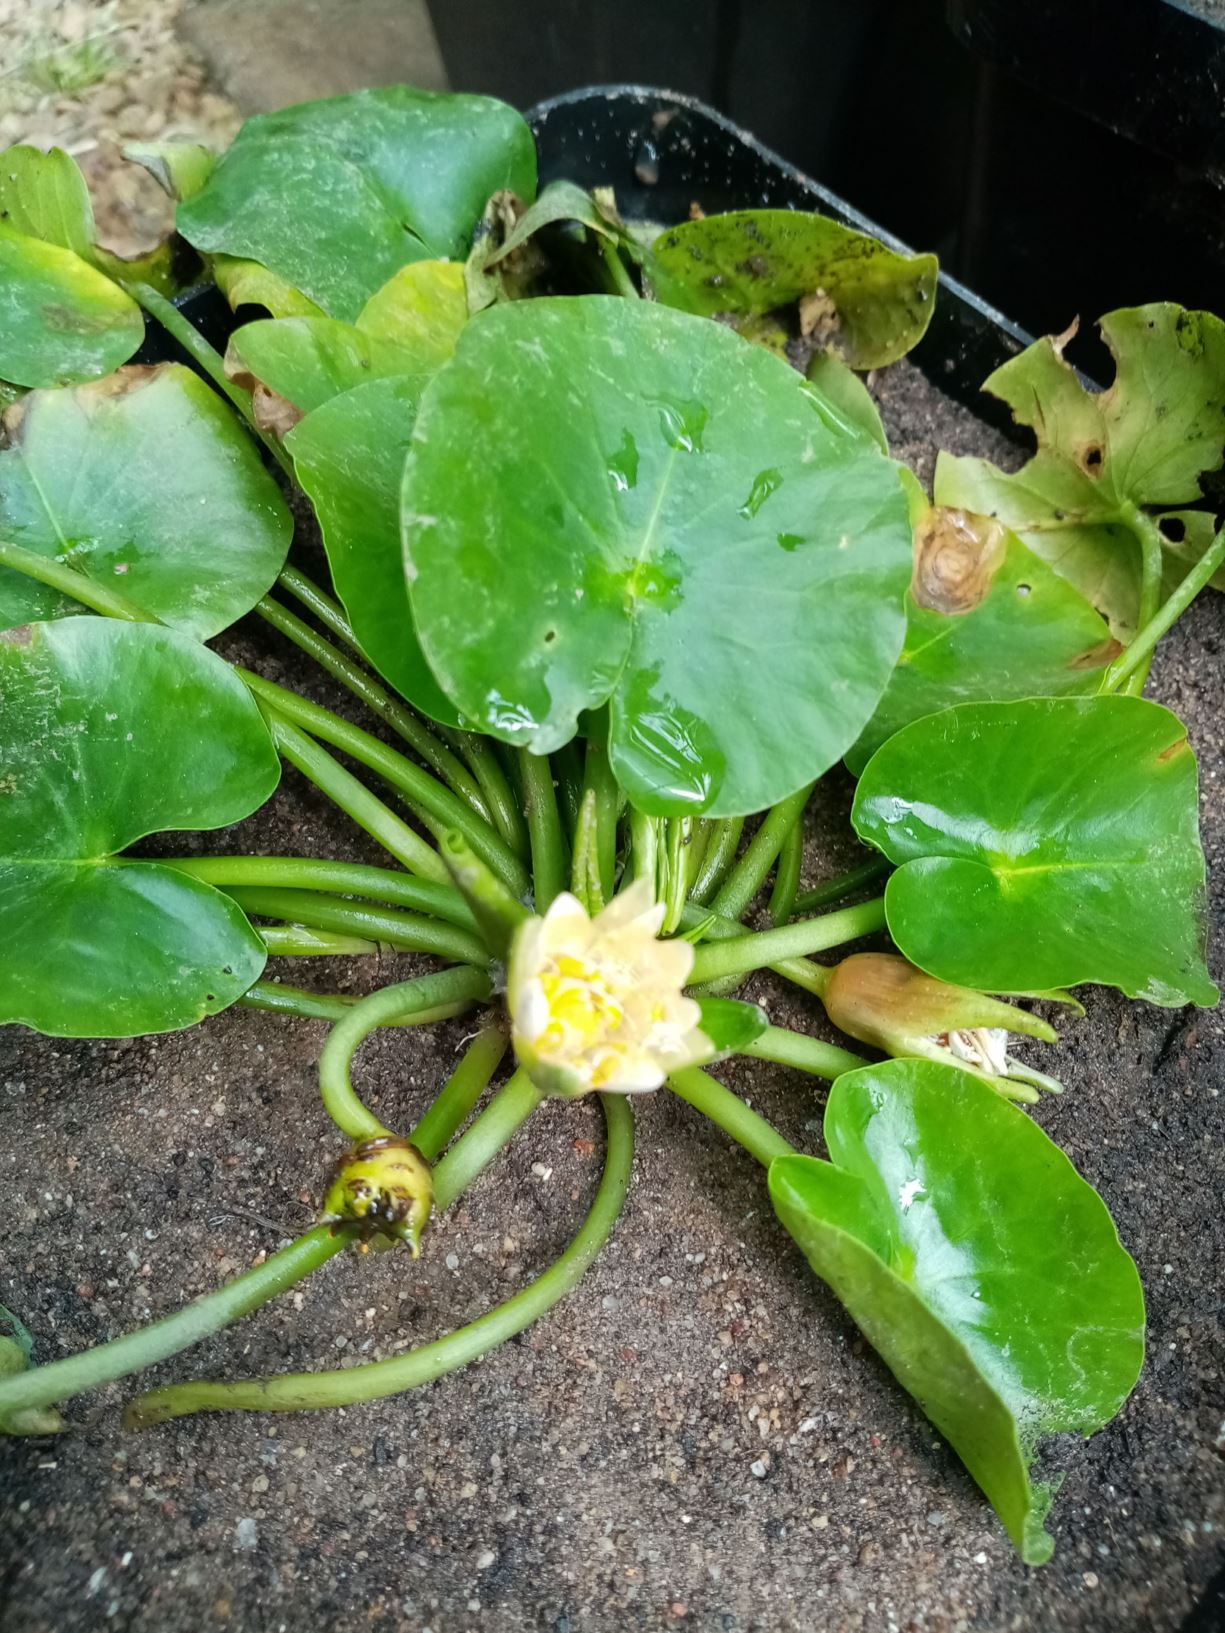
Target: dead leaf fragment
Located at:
point(956, 556)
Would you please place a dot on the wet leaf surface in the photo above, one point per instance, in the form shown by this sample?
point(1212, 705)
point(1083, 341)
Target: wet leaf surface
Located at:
point(608, 501)
point(1044, 843)
point(986, 1273)
point(336, 196)
point(109, 732)
point(144, 482)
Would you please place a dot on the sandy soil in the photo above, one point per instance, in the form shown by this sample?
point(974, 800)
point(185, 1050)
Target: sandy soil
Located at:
point(696, 1439)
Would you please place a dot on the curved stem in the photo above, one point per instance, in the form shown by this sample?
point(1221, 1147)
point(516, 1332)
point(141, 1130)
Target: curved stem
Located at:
point(460, 1093)
point(836, 890)
point(623, 284)
point(749, 873)
point(497, 912)
point(376, 1379)
point(57, 1380)
point(787, 1048)
point(544, 829)
point(405, 1001)
point(787, 874)
point(390, 926)
point(476, 1148)
point(68, 581)
point(1148, 536)
point(644, 847)
point(758, 1137)
point(354, 798)
point(316, 600)
point(278, 999)
point(754, 951)
point(338, 878)
point(424, 791)
point(1140, 648)
point(375, 696)
point(205, 357)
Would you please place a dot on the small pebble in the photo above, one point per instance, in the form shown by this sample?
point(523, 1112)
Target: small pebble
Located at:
point(1090, 1579)
point(452, 1261)
point(758, 1468)
point(486, 1559)
point(246, 1535)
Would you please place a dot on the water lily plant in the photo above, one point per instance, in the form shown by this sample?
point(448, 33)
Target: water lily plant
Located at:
point(617, 584)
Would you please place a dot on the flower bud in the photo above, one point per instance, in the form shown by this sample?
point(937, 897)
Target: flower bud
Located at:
point(881, 999)
point(387, 1185)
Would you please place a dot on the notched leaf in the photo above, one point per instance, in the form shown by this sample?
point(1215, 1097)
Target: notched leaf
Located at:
point(956, 557)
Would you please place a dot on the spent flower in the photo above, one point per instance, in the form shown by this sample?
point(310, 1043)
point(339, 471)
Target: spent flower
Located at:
point(385, 1184)
point(883, 1000)
point(598, 1002)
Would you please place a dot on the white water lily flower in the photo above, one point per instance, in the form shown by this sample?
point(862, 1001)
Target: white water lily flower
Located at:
point(598, 1003)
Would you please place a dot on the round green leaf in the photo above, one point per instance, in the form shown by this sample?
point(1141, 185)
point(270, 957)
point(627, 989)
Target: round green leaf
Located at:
point(44, 196)
point(349, 457)
point(1044, 843)
point(145, 482)
point(109, 732)
point(310, 360)
point(608, 501)
point(986, 1273)
point(986, 621)
point(869, 302)
point(60, 320)
point(335, 196)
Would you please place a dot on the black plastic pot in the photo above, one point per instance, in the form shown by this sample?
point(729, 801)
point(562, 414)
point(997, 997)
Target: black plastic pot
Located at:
point(662, 152)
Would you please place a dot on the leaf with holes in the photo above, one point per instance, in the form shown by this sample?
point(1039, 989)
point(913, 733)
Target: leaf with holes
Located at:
point(109, 732)
point(335, 196)
point(986, 621)
point(1108, 464)
point(144, 482)
point(61, 320)
point(1043, 843)
point(977, 1262)
point(868, 302)
point(607, 501)
point(349, 457)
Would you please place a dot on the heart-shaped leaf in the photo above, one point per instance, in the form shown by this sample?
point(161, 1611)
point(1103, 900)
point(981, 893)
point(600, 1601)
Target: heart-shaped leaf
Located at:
point(867, 301)
point(408, 328)
point(336, 196)
point(145, 482)
point(978, 1263)
point(1145, 442)
point(607, 501)
point(61, 320)
point(44, 195)
point(986, 621)
point(349, 457)
point(109, 732)
point(1044, 843)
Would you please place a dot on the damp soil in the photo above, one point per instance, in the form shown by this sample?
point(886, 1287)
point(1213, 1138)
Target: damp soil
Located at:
point(697, 1439)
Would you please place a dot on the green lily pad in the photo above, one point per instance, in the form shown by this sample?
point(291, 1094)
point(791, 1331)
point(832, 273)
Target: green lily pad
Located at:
point(1044, 843)
point(147, 483)
point(109, 732)
point(44, 195)
point(1146, 443)
point(977, 1262)
point(336, 196)
point(407, 328)
point(61, 320)
point(349, 457)
point(867, 301)
point(607, 501)
point(986, 621)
